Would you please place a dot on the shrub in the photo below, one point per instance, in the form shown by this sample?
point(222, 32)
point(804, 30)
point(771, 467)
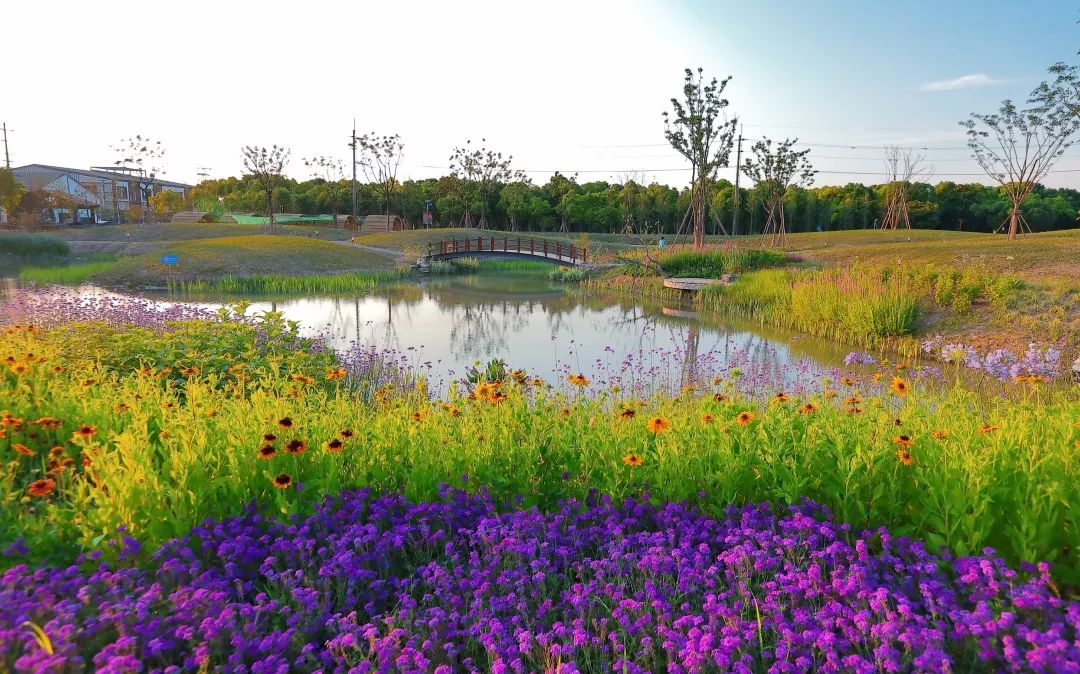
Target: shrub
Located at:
point(29, 245)
point(717, 262)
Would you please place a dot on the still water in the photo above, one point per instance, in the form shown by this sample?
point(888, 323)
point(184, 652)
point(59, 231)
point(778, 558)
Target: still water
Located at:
point(442, 325)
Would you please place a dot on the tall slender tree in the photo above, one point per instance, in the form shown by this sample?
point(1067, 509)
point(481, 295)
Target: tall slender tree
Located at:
point(698, 129)
point(481, 170)
point(332, 171)
point(268, 168)
point(380, 157)
point(773, 170)
point(147, 157)
point(1017, 148)
point(902, 167)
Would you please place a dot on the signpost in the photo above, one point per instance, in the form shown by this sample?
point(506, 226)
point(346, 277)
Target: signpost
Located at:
point(170, 259)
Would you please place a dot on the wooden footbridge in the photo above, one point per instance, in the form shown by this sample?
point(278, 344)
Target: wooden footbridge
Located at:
point(556, 252)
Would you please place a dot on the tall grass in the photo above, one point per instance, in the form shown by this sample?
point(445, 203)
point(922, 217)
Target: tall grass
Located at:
point(23, 244)
point(168, 452)
point(858, 305)
point(714, 263)
point(283, 285)
point(72, 274)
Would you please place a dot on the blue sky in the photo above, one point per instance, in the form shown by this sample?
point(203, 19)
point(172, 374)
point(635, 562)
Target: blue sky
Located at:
point(569, 85)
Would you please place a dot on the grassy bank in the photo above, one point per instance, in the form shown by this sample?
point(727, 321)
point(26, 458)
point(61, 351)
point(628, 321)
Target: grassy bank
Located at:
point(211, 260)
point(290, 285)
point(167, 232)
point(69, 274)
point(26, 245)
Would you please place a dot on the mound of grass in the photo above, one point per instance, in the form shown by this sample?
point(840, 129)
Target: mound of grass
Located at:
point(717, 262)
point(24, 245)
point(194, 230)
point(244, 256)
point(72, 274)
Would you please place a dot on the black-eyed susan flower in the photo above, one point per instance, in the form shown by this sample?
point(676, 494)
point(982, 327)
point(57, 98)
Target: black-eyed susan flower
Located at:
point(346, 433)
point(744, 418)
point(808, 408)
point(20, 448)
point(282, 481)
point(719, 397)
point(940, 434)
point(829, 393)
point(989, 428)
point(707, 418)
point(579, 380)
point(780, 397)
point(84, 432)
point(269, 437)
point(904, 456)
point(628, 413)
point(296, 446)
point(57, 451)
point(633, 460)
point(847, 381)
point(658, 425)
point(285, 422)
point(336, 374)
point(905, 441)
point(900, 386)
point(334, 445)
point(267, 451)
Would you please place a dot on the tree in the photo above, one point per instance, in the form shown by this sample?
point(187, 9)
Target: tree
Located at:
point(902, 166)
point(514, 200)
point(267, 166)
point(11, 193)
point(332, 171)
point(166, 203)
point(480, 171)
point(696, 131)
point(773, 170)
point(380, 157)
point(144, 155)
point(1017, 148)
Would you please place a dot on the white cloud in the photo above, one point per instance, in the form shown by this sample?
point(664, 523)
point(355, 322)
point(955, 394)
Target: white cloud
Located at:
point(962, 82)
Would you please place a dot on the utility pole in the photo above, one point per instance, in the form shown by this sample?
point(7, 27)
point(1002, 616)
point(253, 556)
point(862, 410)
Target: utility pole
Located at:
point(7, 158)
point(738, 160)
point(352, 144)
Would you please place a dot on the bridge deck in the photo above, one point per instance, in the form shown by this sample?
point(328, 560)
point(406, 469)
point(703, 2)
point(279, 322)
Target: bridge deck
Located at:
point(556, 252)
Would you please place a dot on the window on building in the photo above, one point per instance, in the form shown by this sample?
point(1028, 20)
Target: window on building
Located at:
point(121, 193)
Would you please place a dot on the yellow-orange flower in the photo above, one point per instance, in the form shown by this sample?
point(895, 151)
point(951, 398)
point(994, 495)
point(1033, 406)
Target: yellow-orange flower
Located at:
point(346, 433)
point(633, 460)
point(900, 386)
point(282, 481)
point(336, 374)
point(658, 425)
point(852, 400)
point(285, 422)
point(988, 428)
point(296, 446)
point(22, 449)
point(41, 487)
point(302, 378)
point(333, 445)
point(578, 380)
point(267, 451)
point(808, 408)
point(628, 413)
point(744, 418)
point(780, 397)
point(905, 441)
point(904, 456)
point(940, 434)
point(269, 437)
point(84, 432)
point(707, 418)
point(719, 397)
point(847, 381)
point(829, 393)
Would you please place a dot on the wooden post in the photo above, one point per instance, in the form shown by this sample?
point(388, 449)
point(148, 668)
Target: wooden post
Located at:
point(545, 248)
point(584, 256)
point(504, 243)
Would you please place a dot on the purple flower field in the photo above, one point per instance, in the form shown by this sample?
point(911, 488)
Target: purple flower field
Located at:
point(379, 584)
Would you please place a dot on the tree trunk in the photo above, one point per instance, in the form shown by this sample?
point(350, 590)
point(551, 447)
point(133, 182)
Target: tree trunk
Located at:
point(270, 212)
point(1014, 216)
point(698, 206)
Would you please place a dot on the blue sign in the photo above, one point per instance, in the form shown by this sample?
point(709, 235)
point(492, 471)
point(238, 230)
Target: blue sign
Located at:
point(171, 260)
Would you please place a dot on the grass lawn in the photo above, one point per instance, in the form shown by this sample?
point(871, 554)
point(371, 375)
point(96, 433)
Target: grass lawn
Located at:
point(206, 259)
point(186, 231)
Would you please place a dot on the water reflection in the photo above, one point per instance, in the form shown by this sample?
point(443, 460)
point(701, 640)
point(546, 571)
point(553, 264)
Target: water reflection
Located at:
point(550, 330)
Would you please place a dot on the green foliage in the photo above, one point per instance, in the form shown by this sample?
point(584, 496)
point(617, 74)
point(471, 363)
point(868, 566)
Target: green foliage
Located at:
point(568, 274)
point(72, 274)
point(269, 284)
point(717, 262)
point(29, 245)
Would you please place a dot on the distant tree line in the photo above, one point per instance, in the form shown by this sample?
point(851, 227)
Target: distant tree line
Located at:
point(563, 203)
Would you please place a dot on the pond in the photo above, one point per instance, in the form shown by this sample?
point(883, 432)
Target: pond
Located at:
point(444, 324)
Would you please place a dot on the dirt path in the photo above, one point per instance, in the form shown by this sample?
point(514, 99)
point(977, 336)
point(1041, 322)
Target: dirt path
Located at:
point(396, 253)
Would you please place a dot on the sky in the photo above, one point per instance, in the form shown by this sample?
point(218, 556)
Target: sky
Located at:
point(576, 86)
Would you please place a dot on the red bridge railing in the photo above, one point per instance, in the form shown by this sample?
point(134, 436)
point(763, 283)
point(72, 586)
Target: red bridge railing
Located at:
point(554, 250)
